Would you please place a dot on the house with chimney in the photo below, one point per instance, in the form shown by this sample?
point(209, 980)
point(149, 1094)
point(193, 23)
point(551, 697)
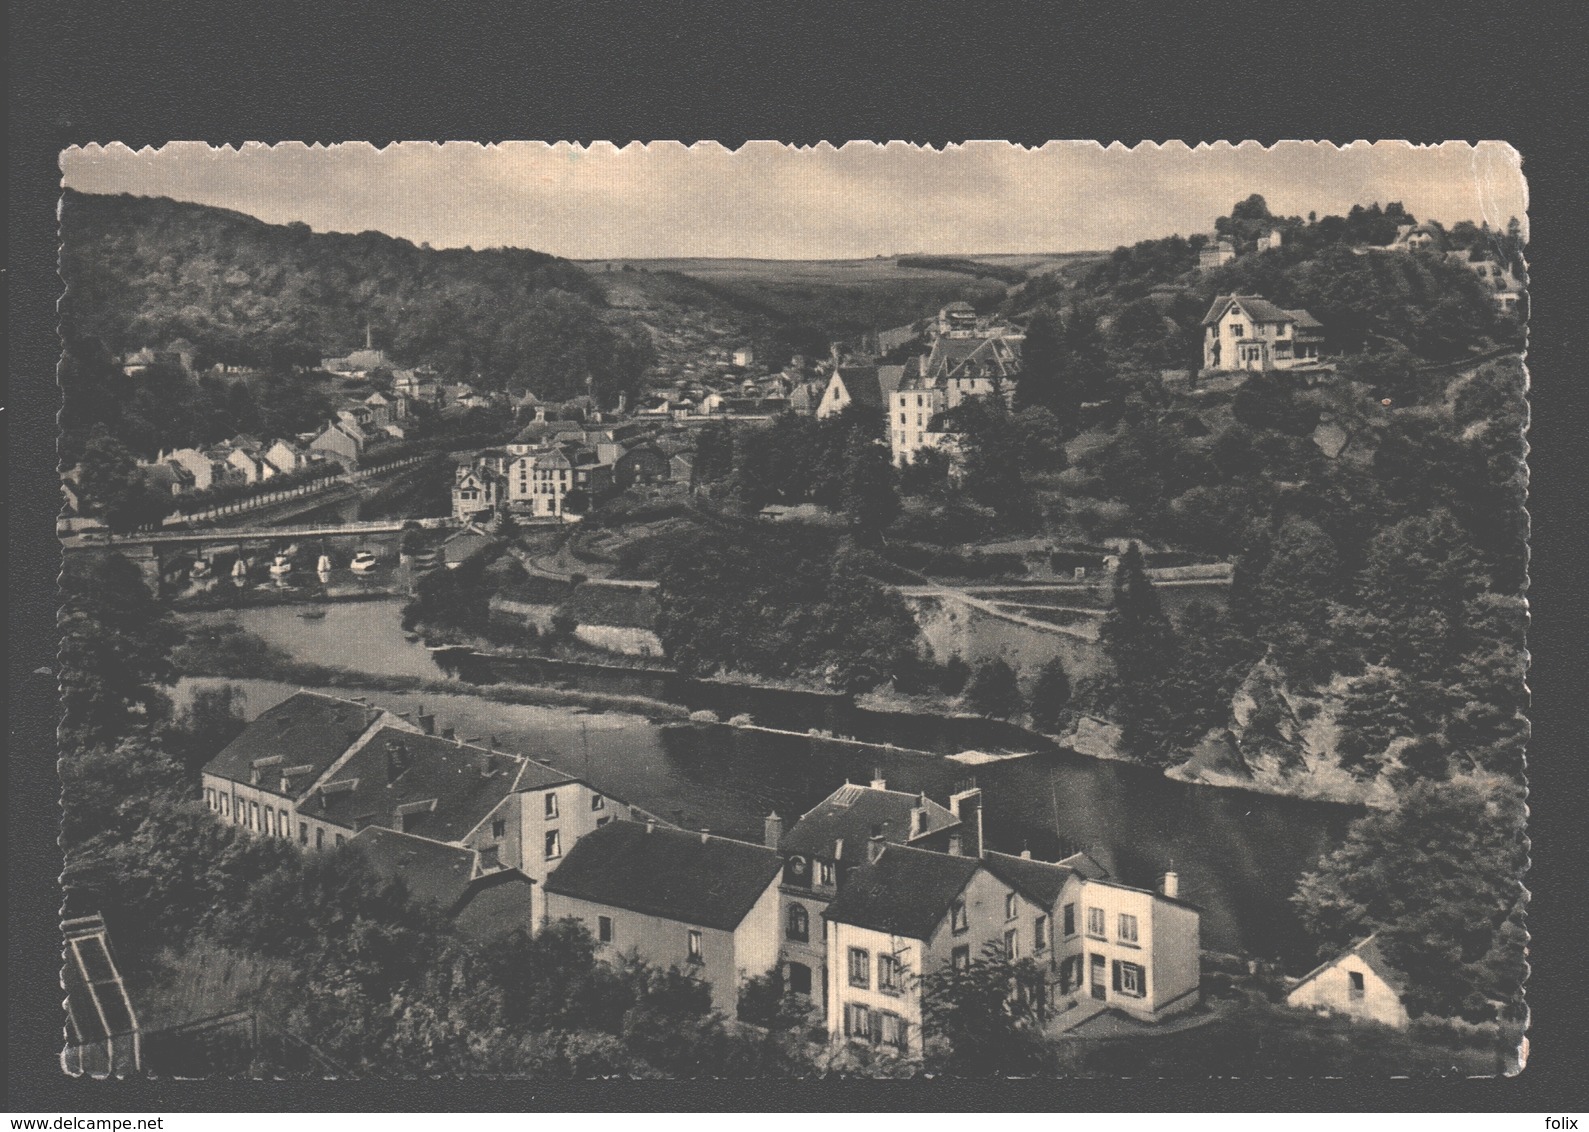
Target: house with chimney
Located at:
point(317, 771)
point(903, 914)
point(839, 834)
point(705, 905)
point(485, 902)
point(1248, 332)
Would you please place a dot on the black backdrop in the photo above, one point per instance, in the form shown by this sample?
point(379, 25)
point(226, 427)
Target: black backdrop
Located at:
point(86, 70)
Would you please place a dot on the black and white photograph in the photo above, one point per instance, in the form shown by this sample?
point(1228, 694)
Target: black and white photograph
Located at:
point(561, 612)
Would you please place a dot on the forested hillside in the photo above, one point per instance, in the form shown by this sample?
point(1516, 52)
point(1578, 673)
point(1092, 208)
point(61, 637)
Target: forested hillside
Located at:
point(142, 271)
point(1144, 304)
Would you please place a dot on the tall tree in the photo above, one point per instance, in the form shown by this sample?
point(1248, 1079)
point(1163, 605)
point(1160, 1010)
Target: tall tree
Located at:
point(115, 653)
point(1437, 880)
point(994, 690)
point(984, 1018)
point(870, 498)
point(1141, 645)
point(1051, 696)
point(110, 485)
point(1048, 378)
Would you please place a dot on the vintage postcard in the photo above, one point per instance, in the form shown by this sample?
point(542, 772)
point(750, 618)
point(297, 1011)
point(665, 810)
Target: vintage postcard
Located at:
point(567, 611)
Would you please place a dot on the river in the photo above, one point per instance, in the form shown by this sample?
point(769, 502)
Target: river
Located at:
point(1238, 854)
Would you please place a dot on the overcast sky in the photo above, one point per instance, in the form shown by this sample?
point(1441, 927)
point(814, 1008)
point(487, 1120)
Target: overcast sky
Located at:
point(772, 201)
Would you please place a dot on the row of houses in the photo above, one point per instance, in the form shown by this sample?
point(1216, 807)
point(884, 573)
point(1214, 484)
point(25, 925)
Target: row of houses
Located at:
point(865, 894)
point(241, 460)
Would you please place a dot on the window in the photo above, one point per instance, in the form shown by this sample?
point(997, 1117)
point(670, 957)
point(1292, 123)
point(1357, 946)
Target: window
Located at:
point(604, 929)
point(209, 797)
point(319, 837)
point(499, 828)
point(891, 1029)
point(1236, 329)
point(1128, 928)
point(1040, 935)
point(226, 804)
point(1095, 923)
point(1130, 979)
point(554, 845)
point(888, 974)
point(960, 958)
point(303, 833)
point(597, 802)
point(253, 815)
point(1012, 905)
point(1012, 944)
point(694, 946)
point(1070, 920)
point(551, 806)
point(1358, 989)
point(957, 917)
point(857, 1021)
point(825, 872)
point(270, 820)
point(798, 927)
point(860, 968)
point(341, 840)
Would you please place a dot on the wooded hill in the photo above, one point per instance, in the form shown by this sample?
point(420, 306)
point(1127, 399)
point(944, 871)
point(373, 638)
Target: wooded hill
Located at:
point(146, 271)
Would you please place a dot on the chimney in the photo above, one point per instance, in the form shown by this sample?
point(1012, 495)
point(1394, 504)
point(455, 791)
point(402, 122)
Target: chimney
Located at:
point(874, 847)
point(1171, 886)
point(651, 825)
point(706, 835)
point(1026, 854)
point(878, 781)
point(426, 721)
point(957, 844)
point(772, 830)
point(966, 805)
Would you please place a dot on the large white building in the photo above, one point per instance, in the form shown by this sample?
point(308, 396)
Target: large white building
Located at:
point(1248, 332)
point(957, 368)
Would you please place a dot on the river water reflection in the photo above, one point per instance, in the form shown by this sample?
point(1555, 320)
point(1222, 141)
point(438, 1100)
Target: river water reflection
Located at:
point(1238, 854)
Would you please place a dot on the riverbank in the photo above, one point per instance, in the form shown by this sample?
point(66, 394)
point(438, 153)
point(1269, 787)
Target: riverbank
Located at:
point(231, 652)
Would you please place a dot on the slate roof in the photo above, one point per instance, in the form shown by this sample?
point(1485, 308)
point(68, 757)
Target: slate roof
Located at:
point(1259, 309)
point(863, 384)
point(852, 813)
point(307, 729)
point(1038, 881)
point(709, 881)
point(1369, 952)
point(429, 869)
point(444, 792)
point(905, 892)
point(950, 357)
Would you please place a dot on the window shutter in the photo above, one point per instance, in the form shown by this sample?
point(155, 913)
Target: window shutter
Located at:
point(1114, 971)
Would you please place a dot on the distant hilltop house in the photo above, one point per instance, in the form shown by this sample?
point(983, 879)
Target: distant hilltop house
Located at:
point(1216, 253)
point(1505, 289)
point(744, 357)
point(1248, 332)
point(178, 355)
point(1360, 983)
point(954, 370)
point(957, 320)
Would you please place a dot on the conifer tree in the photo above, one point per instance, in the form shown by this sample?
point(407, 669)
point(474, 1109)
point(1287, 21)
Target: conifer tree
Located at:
point(1140, 642)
